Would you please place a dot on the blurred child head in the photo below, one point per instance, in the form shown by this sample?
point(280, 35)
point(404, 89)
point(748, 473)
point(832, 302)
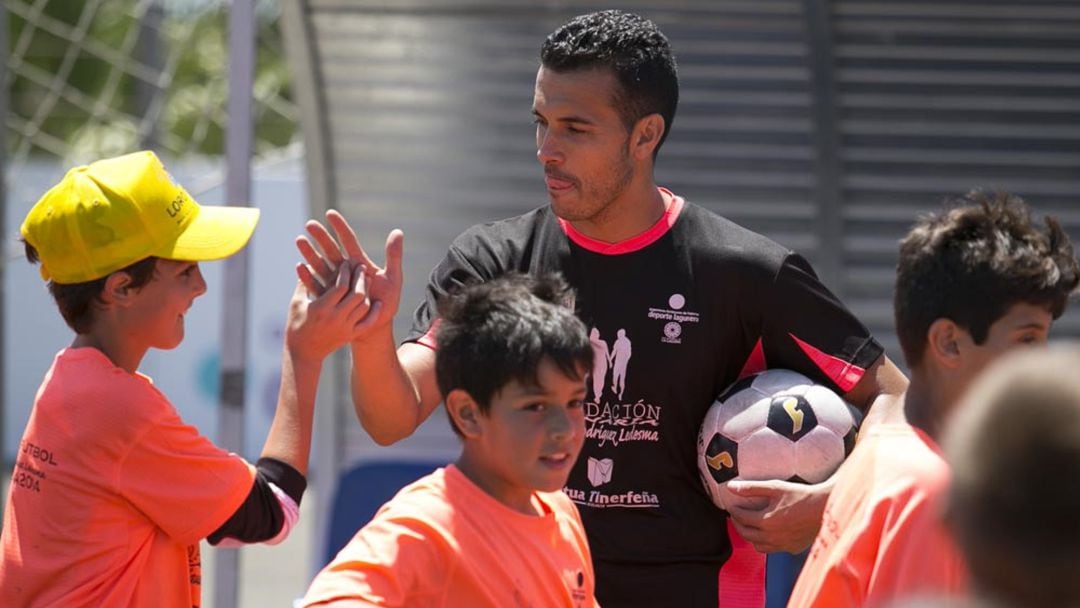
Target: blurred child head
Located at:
point(1014, 448)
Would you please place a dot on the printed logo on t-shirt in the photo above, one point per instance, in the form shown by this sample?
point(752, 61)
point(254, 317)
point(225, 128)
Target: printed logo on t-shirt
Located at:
point(32, 465)
point(575, 581)
point(631, 499)
point(609, 419)
point(194, 566)
point(600, 470)
point(675, 317)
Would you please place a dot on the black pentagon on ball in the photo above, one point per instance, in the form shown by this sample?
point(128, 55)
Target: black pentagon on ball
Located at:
point(740, 384)
point(722, 458)
point(791, 416)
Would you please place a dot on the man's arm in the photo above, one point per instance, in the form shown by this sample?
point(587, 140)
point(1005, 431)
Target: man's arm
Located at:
point(785, 516)
point(878, 393)
point(393, 389)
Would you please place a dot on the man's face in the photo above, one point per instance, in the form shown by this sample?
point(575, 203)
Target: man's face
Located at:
point(581, 141)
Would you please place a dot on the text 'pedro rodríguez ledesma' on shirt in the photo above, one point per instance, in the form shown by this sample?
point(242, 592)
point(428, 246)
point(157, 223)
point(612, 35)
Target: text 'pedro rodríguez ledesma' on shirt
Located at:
point(611, 419)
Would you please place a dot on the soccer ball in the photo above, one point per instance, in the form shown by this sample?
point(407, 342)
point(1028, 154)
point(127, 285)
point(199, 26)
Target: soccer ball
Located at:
point(777, 424)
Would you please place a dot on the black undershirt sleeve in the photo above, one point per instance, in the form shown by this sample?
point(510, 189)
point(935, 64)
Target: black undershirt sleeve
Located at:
point(260, 516)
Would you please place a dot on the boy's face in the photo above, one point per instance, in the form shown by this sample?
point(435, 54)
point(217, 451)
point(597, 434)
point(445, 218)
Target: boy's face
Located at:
point(156, 315)
point(581, 141)
point(1022, 325)
point(530, 438)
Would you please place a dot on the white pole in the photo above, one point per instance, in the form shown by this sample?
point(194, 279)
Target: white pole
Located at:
point(238, 145)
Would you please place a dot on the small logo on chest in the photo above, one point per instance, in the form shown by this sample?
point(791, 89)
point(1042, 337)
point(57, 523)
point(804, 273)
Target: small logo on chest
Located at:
point(675, 317)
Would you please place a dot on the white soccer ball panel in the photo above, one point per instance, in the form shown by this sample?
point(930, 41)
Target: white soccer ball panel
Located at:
point(773, 381)
point(818, 454)
point(744, 419)
point(831, 411)
point(720, 413)
point(766, 455)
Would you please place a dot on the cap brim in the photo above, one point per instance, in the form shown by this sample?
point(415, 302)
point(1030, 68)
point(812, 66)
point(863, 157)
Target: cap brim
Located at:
point(215, 233)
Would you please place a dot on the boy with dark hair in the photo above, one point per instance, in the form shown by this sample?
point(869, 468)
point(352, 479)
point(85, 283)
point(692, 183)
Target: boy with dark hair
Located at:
point(494, 529)
point(684, 301)
point(112, 492)
point(972, 283)
point(1014, 449)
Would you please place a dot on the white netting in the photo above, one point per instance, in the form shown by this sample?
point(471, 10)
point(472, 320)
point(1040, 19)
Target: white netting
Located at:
point(104, 77)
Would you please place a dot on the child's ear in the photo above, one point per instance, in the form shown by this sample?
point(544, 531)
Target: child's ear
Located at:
point(117, 289)
point(465, 412)
point(943, 343)
point(646, 136)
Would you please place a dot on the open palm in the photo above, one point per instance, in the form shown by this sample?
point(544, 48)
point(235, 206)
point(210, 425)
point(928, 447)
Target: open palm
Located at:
point(323, 253)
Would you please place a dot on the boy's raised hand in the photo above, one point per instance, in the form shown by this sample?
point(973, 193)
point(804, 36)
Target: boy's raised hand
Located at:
point(320, 324)
point(326, 254)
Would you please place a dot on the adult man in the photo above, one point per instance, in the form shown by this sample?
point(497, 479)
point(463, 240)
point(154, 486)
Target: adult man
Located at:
point(698, 301)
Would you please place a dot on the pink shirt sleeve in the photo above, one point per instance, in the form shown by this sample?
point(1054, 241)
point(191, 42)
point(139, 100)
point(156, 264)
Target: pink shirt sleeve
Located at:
point(181, 481)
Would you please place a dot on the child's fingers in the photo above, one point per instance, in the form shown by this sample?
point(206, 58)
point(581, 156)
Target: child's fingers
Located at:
point(330, 248)
point(368, 320)
point(359, 308)
point(315, 261)
point(344, 279)
point(360, 280)
point(332, 296)
point(308, 280)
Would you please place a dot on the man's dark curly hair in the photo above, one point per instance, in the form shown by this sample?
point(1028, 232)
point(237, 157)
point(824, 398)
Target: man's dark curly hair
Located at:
point(635, 51)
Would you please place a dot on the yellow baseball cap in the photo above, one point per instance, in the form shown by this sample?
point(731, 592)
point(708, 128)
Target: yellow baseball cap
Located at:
point(112, 213)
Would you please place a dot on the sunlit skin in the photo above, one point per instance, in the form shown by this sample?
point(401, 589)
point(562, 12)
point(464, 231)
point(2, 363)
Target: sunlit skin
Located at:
point(598, 172)
point(131, 321)
point(527, 441)
point(159, 309)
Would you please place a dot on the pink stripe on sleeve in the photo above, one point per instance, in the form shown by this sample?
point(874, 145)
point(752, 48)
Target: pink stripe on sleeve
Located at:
point(844, 373)
point(428, 339)
point(755, 363)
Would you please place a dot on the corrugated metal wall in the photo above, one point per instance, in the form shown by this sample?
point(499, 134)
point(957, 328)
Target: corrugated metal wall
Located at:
point(826, 125)
point(937, 98)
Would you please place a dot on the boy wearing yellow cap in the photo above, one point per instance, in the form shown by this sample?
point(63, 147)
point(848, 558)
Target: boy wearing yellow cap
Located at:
point(112, 491)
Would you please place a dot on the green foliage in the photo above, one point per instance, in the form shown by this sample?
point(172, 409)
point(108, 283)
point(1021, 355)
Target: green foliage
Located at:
point(85, 85)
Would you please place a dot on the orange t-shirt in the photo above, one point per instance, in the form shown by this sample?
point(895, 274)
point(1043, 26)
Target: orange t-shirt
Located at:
point(111, 493)
point(882, 538)
point(444, 542)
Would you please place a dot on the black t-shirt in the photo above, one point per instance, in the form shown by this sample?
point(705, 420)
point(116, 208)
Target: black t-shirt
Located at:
point(676, 315)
